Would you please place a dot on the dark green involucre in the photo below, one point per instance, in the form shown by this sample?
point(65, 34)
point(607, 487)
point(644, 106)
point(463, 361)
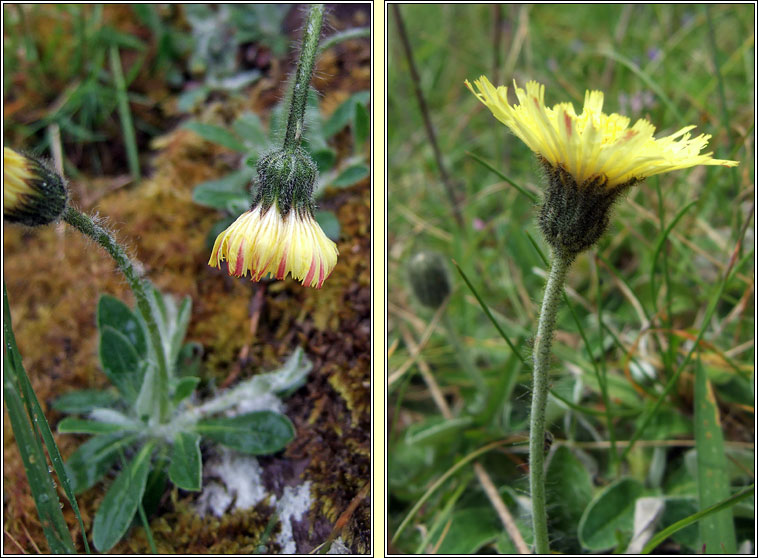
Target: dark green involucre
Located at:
point(429, 278)
point(574, 217)
point(287, 177)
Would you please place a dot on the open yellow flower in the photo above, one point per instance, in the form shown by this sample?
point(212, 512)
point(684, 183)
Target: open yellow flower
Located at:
point(592, 144)
point(265, 242)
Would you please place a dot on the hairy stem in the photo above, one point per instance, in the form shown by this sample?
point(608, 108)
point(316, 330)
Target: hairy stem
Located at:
point(303, 76)
point(87, 226)
point(541, 384)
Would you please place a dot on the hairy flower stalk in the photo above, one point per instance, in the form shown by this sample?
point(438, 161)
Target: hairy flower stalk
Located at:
point(34, 194)
point(92, 229)
point(279, 235)
point(589, 160)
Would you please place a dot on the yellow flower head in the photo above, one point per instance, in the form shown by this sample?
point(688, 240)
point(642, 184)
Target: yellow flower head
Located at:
point(262, 241)
point(279, 235)
point(592, 145)
point(33, 193)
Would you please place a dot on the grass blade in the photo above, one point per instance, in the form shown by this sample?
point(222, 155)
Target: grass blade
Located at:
point(716, 530)
point(679, 525)
point(32, 453)
point(440, 481)
point(489, 314)
point(713, 303)
point(127, 127)
point(532, 197)
point(659, 246)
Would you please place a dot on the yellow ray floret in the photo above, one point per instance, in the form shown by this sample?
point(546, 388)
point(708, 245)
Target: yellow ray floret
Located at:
point(16, 177)
point(263, 242)
point(592, 143)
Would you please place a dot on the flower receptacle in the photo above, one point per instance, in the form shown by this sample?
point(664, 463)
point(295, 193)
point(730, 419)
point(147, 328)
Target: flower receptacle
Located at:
point(286, 177)
point(574, 217)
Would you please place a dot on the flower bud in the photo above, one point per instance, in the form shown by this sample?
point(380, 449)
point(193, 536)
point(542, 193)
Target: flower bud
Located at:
point(33, 193)
point(429, 278)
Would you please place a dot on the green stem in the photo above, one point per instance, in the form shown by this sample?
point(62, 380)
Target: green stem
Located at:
point(303, 76)
point(542, 344)
point(465, 361)
point(87, 226)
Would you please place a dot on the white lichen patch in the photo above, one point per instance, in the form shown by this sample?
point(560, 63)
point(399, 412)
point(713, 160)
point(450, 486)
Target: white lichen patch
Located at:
point(240, 484)
point(338, 547)
point(265, 402)
point(294, 503)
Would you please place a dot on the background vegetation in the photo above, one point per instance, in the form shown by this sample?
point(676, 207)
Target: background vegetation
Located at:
point(676, 263)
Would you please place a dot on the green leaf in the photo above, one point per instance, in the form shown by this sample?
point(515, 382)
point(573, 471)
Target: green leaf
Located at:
point(84, 400)
point(216, 134)
point(437, 430)
point(249, 127)
point(184, 388)
point(114, 313)
point(230, 190)
point(328, 222)
point(179, 329)
point(148, 403)
point(188, 99)
point(89, 463)
point(344, 113)
point(717, 530)
point(470, 530)
point(351, 175)
point(117, 509)
point(678, 508)
point(190, 359)
point(73, 425)
point(610, 513)
point(324, 158)
point(570, 490)
point(361, 124)
point(121, 363)
point(186, 462)
point(258, 433)
point(155, 487)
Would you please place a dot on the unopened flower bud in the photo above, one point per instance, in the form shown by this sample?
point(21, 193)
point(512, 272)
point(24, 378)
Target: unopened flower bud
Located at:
point(429, 278)
point(33, 193)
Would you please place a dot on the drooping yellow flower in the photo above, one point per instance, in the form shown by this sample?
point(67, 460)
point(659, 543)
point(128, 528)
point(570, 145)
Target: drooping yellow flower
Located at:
point(264, 242)
point(592, 145)
point(33, 193)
